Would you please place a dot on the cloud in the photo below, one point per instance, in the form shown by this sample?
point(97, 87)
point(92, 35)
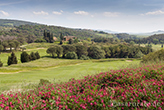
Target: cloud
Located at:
point(81, 13)
point(111, 14)
point(11, 3)
point(4, 13)
point(57, 13)
point(158, 12)
point(40, 13)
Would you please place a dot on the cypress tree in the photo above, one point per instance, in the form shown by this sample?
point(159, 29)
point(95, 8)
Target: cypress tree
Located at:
point(37, 55)
point(12, 59)
point(33, 57)
point(25, 57)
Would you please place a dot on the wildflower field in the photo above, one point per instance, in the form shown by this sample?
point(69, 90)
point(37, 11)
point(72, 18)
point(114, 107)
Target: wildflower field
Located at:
point(140, 88)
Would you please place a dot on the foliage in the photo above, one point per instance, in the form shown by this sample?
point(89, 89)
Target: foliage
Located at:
point(40, 40)
point(104, 91)
point(1, 64)
point(84, 57)
point(51, 51)
point(70, 41)
point(154, 56)
point(71, 55)
point(68, 48)
point(11, 44)
point(139, 54)
point(48, 37)
point(37, 55)
point(81, 50)
point(25, 57)
point(56, 49)
point(96, 52)
point(32, 56)
point(1, 48)
point(12, 59)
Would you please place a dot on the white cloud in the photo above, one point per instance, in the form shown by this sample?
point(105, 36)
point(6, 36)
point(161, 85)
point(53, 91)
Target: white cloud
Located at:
point(111, 14)
point(81, 13)
point(40, 13)
point(4, 13)
point(57, 13)
point(158, 12)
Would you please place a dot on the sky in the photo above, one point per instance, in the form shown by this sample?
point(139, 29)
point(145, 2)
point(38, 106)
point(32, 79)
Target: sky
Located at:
point(134, 16)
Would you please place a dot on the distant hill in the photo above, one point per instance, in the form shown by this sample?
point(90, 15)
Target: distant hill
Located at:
point(149, 33)
point(25, 29)
point(12, 23)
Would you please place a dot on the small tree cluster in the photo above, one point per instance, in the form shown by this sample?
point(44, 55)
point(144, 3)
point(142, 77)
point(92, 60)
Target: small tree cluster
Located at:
point(25, 57)
point(48, 37)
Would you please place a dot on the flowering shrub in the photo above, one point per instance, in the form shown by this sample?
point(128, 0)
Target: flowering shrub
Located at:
point(141, 88)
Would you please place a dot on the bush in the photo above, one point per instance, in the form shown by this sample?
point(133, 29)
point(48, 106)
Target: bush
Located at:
point(25, 57)
point(33, 57)
point(43, 82)
point(71, 55)
point(37, 55)
point(1, 64)
point(96, 52)
point(12, 59)
point(84, 57)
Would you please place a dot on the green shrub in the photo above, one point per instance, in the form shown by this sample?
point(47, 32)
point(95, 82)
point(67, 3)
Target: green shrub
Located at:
point(37, 55)
point(33, 57)
point(71, 55)
point(1, 64)
point(25, 57)
point(84, 57)
point(12, 59)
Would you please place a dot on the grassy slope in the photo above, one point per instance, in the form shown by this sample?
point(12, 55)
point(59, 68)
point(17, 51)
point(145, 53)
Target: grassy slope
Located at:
point(49, 68)
point(62, 73)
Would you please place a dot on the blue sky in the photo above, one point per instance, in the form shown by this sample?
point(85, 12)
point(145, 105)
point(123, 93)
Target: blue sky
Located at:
point(116, 15)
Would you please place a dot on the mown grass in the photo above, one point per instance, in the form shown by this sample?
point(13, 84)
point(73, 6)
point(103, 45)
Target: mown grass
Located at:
point(61, 70)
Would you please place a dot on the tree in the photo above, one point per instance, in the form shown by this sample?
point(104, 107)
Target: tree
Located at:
point(61, 37)
point(33, 57)
point(107, 52)
point(51, 51)
point(17, 44)
point(37, 55)
point(132, 42)
point(76, 41)
point(1, 64)
point(96, 52)
point(59, 50)
point(12, 59)
point(11, 44)
point(68, 48)
point(55, 50)
point(1, 48)
point(25, 57)
point(70, 41)
point(81, 50)
point(5, 45)
point(71, 55)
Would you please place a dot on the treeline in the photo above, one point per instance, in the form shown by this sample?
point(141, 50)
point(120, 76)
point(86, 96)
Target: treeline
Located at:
point(97, 52)
point(12, 23)
point(155, 39)
point(33, 32)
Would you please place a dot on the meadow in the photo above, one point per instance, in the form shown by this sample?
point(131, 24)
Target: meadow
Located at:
point(16, 76)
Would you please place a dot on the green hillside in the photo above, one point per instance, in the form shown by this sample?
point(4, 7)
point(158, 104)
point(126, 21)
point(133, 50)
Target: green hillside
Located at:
point(12, 23)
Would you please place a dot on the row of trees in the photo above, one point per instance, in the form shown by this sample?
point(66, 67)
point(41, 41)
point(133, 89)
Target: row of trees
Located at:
point(25, 57)
point(98, 52)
